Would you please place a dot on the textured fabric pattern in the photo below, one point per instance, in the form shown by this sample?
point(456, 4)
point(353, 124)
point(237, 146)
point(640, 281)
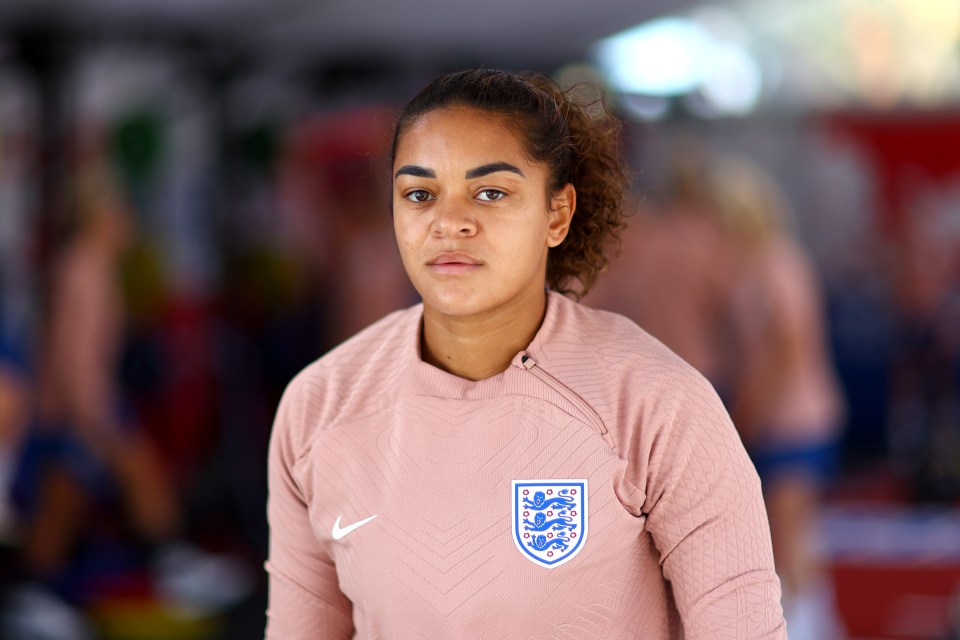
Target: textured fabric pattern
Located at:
point(677, 546)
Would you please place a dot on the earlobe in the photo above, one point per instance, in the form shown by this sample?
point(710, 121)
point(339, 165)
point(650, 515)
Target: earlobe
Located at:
point(563, 203)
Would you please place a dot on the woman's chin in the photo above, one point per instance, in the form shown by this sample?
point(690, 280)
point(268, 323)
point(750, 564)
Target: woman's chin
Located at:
point(456, 305)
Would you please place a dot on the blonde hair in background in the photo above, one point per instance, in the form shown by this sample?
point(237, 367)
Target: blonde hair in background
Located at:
point(751, 205)
point(687, 169)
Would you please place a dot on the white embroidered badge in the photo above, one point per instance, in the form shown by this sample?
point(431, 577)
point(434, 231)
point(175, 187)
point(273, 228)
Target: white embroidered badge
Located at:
point(549, 519)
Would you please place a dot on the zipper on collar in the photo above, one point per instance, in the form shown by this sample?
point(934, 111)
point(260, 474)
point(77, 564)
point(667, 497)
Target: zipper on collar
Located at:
point(585, 409)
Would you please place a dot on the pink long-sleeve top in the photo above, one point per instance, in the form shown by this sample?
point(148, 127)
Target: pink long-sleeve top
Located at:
point(594, 489)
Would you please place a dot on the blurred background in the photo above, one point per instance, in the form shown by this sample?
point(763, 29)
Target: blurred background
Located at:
point(194, 204)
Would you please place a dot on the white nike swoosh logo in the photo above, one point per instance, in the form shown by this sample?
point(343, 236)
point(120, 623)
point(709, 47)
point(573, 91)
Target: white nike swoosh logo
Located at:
point(338, 533)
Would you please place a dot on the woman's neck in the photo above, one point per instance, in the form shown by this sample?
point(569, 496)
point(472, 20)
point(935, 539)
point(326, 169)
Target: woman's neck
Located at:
point(478, 347)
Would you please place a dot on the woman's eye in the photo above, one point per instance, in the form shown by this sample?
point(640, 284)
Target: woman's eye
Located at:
point(418, 196)
point(489, 195)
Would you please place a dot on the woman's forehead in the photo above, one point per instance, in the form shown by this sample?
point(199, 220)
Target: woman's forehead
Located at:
point(461, 134)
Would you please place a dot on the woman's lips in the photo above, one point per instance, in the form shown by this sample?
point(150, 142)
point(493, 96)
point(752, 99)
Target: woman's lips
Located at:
point(454, 264)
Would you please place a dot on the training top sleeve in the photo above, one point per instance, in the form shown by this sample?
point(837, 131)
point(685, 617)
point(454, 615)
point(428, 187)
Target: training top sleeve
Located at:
point(706, 515)
point(304, 597)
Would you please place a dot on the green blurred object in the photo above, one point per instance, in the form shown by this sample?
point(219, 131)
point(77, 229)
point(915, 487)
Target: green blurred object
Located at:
point(260, 145)
point(139, 143)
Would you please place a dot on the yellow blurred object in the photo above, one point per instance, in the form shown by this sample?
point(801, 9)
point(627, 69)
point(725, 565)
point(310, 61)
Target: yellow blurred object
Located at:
point(881, 52)
point(147, 619)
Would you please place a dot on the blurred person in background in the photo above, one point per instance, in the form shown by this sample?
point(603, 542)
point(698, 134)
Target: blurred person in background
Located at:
point(672, 275)
point(414, 469)
point(369, 280)
point(15, 398)
point(785, 400)
point(924, 429)
point(85, 454)
point(336, 171)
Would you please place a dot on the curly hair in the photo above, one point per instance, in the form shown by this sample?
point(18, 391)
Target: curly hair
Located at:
point(572, 134)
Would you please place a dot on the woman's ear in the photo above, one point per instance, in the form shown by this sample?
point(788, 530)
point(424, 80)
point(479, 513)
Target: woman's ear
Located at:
point(562, 205)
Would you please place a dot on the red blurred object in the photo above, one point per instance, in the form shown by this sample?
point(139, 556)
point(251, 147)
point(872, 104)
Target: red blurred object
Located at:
point(182, 417)
point(900, 144)
point(896, 600)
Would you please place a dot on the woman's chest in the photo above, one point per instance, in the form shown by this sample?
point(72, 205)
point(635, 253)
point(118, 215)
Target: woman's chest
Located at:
point(436, 512)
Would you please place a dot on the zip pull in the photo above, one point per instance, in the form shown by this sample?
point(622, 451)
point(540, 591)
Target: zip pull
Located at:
point(588, 412)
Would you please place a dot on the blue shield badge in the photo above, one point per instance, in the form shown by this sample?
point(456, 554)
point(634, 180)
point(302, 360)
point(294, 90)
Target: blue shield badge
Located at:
point(549, 519)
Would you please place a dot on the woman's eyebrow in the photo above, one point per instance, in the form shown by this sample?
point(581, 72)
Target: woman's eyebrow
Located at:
point(415, 171)
point(493, 167)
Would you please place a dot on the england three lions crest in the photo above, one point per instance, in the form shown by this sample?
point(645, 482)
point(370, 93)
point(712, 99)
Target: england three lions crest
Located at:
point(549, 519)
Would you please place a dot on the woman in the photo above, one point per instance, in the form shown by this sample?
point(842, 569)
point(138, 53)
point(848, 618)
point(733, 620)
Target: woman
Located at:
point(786, 400)
point(85, 460)
point(501, 461)
point(672, 278)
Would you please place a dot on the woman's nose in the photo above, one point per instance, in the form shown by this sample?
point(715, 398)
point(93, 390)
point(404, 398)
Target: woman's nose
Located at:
point(453, 220)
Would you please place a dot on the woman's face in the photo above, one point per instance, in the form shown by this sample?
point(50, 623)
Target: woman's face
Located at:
point(473, 214)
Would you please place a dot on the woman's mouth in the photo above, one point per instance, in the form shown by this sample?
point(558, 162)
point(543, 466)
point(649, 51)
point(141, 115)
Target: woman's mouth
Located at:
point(454, 263)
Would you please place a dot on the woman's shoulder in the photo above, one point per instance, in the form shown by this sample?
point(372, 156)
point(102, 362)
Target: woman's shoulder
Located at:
point(609, 332)
point(391, 335)
point(635, 382)
point(619, 348)
point(363, 367)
